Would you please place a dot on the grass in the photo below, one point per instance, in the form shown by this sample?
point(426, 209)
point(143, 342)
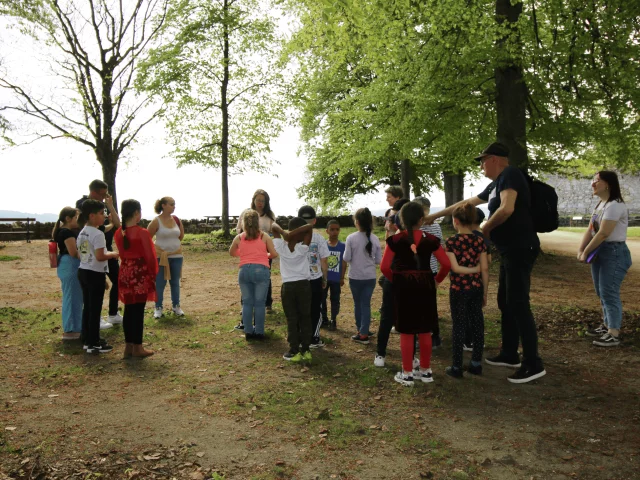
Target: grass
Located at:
point(9, 258)
point(632, 232)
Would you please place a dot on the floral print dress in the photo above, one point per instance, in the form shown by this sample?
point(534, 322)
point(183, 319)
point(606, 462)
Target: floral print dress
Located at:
point(138, 267)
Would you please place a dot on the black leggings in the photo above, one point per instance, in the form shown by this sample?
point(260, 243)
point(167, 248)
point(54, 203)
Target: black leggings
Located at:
point(466, 312)
point(133, 323)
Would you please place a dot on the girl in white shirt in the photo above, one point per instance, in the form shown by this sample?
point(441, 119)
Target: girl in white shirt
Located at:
point(604, 246)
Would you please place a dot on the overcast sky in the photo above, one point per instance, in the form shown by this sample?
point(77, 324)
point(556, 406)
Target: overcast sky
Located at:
point(47, 175)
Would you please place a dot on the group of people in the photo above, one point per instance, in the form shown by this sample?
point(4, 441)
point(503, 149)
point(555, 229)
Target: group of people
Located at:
point(415, 259)
point(85, 236)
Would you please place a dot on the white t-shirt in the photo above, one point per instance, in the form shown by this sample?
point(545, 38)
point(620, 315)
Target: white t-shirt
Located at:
point(318, 249)
point(616, 211)
point(89, 240)
point(294, 265)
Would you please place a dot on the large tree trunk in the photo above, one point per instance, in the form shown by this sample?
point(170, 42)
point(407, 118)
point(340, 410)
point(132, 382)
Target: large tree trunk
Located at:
point(511, 92)
point(109, 171)
point(224, 164)
point(405, 177)
point(453, 190)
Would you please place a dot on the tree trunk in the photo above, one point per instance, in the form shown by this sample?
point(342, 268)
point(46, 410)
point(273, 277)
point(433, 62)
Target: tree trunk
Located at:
point(511, 92)
point(109, 171)
point(453, 190)
point(405, 177)
point(224, 163)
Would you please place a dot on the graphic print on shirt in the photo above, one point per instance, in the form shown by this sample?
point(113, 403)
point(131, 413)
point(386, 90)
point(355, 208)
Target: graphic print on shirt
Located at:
point(314, 259)
point(334, 261)
point(83, 248)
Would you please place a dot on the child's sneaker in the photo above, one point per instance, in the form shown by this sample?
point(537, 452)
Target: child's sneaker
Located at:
point(178, 311)
point(436, 341)
point(404, 379)
point(426, 376)
point(240, 326)
point(289, 355)
point(297, 358)
point(157, 312)
point(607, 340)
point(360, 339)
point(454, 372)
point(416, 364)
point(100, 348)
point(332, 326)
point(104, 325)
point(467, 348)
point(597, 332)
point(115, 319)
point(378, 361)
point(306, 356)
point(316, 342)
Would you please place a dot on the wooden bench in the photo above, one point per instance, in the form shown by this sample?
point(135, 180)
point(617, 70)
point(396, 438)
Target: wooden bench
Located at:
point(18, 232)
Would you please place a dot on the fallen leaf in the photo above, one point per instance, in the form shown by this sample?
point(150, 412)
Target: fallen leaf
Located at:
point(53, 395)
point(377, 397)
point(374, 427)
point(200, 454)
point(11, 429)
point(279, 462)
point(304, 369)
point(337, 375)
point(151, 457)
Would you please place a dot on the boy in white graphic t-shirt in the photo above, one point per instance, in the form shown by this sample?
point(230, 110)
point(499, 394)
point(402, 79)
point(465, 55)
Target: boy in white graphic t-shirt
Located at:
point(92, 274)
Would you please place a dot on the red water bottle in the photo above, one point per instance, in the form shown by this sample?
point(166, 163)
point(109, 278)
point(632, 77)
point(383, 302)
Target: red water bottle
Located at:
point(53, 254)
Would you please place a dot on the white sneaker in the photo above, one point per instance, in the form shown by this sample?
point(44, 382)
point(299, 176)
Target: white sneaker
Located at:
point(393, 330)
point(425, 376)
point(115, 319)
point(404, 379)
point(178, 311)
point(378, 361)
point(157, 312)
point(105, 325)
point(416, 364)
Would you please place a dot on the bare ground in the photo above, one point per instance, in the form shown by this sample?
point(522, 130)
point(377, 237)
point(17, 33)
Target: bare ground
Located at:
point(207, 403)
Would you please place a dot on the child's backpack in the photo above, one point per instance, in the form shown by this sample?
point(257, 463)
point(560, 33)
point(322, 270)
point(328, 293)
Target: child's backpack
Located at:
point(544, 206)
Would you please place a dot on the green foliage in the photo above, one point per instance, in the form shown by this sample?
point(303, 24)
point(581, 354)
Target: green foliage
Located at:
point(384, 81)
point(187, 71)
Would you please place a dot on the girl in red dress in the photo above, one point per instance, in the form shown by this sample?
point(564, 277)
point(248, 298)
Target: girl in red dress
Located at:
point(406, 263)
point(137, 278)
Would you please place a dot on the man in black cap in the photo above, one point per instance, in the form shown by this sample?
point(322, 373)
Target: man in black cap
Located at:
point(511, 229)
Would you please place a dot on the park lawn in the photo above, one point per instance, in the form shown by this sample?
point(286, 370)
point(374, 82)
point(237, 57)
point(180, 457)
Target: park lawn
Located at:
point(210, 405)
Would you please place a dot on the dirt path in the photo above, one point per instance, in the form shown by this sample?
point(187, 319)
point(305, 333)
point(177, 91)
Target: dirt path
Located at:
point(209, 402)
point(567, 242)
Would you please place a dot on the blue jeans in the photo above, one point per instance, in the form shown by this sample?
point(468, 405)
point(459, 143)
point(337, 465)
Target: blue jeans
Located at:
point(254, 284)
point(71, 294)
point(608, 270)
point(362, 291)
point(175, 267)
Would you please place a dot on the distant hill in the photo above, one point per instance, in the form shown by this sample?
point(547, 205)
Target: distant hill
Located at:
point(40, 217)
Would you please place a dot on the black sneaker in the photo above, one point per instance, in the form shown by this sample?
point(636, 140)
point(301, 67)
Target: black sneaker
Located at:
point(502, 360)
point(289, 355)
point(250, 336)
point(527, 374)
point(332, 326)
point(316, 342)
point(259, 336)
point(371, 334)
point(240, 326)
point(361, 339)
point(607, 340)
point(436, 341)
point(473, 370)
point(597, 332)
point(325, 323)
point(454, 372)
point(101, 348)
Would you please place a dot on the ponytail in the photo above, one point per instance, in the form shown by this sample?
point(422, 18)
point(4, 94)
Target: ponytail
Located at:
point(64, 214)
point(365, 220)
point(410, 214)
point(128, 210)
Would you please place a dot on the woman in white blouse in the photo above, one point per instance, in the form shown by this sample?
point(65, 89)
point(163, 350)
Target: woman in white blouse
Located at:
point(604, 247)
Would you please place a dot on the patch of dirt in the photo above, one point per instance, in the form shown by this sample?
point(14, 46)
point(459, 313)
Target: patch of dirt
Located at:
point(208, 403)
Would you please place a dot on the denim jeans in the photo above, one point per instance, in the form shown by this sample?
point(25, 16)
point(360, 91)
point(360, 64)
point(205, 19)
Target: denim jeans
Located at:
point(254, 284)
point(71, 294)
point(362, 291)
point(518, 323)
point(175, 267)
point(608, 270)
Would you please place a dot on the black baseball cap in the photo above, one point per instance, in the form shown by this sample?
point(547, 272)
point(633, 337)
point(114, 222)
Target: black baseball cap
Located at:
point(307, 212)
point(496, 148)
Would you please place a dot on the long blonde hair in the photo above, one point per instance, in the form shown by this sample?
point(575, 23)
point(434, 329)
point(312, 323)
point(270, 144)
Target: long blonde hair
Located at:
point(251, 224)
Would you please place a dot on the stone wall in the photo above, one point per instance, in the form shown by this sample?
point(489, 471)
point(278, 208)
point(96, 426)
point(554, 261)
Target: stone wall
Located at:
point(575, 198)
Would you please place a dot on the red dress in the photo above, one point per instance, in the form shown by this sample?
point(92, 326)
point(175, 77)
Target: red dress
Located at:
point(138, 266)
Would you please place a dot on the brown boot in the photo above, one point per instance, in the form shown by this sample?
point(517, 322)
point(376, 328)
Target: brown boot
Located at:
point(128, 350)
point(140, 352)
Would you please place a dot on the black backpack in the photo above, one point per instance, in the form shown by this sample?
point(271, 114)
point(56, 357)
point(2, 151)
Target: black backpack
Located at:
point(544, 206)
